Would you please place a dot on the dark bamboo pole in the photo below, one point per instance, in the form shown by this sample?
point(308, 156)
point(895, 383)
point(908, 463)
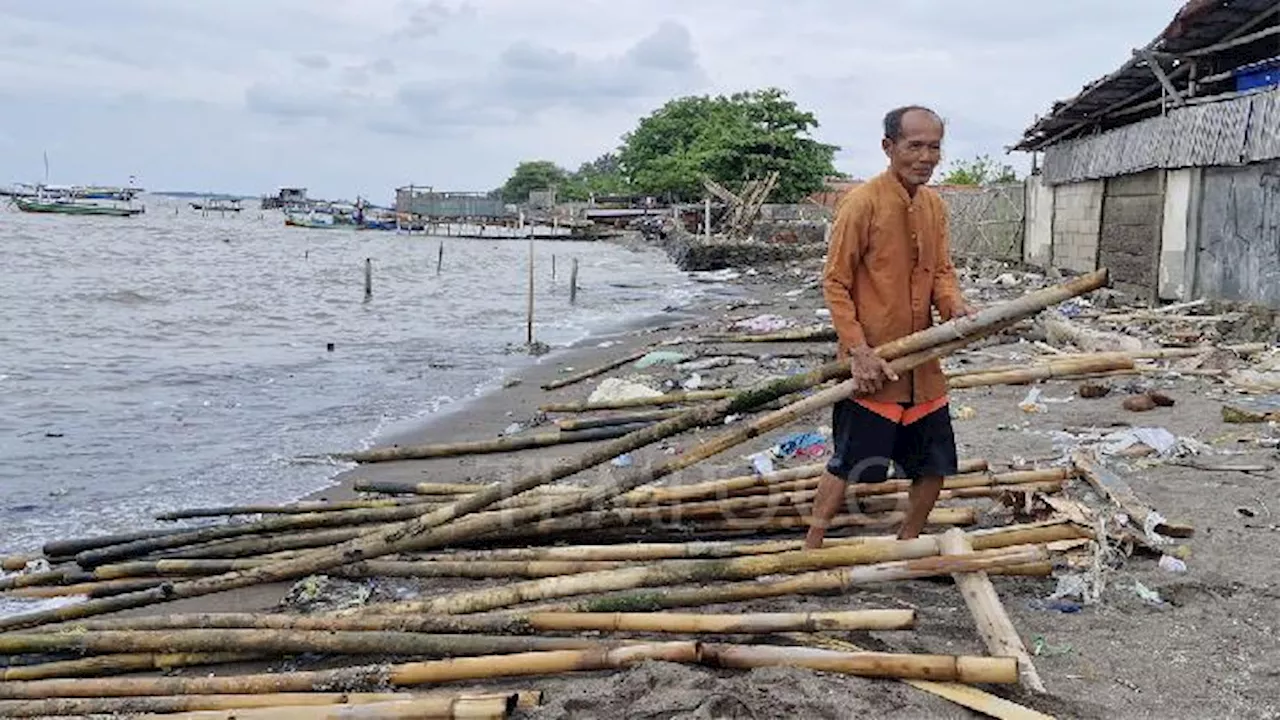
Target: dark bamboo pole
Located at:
point(597, 370)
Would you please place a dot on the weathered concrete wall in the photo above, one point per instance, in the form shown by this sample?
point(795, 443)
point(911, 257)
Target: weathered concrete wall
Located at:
point(1128, 244)
point(1037, 246)
point(1181, 211)
point(1239, 234)
point(1077, 217)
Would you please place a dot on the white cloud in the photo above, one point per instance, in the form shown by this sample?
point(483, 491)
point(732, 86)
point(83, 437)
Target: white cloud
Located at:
point(350, 98)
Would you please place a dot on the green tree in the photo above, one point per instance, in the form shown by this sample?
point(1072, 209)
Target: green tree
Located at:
point(602, 176)
point(730, 139)
point(981, 170)
point(533, 175)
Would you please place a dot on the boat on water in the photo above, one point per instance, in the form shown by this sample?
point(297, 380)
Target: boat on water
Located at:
point(216, 205)
point(316, 220)
point(67, 206)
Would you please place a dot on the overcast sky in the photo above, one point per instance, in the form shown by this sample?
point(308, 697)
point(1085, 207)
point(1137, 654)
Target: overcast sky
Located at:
point(352, 97)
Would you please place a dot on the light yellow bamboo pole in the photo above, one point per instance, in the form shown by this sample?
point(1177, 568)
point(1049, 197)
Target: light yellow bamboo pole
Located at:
point(366, 676)
point(116, 664)
point(866, 664)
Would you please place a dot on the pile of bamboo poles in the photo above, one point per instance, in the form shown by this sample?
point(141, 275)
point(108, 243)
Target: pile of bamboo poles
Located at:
point(556, 594)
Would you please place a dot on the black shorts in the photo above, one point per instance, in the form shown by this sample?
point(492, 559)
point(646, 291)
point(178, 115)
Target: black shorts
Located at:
point(919, 441)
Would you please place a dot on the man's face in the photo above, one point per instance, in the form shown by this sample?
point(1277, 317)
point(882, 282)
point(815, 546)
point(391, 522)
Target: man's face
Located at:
point(917, 152)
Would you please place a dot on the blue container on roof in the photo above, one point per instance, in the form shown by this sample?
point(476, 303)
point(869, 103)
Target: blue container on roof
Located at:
point(1258, 75)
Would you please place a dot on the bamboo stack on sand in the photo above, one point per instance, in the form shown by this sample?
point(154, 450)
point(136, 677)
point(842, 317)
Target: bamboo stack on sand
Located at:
point(545, 615)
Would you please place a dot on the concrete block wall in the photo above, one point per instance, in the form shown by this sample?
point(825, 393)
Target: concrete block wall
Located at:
point(1037, 245)
point(1179, 237)
point(1077, 223)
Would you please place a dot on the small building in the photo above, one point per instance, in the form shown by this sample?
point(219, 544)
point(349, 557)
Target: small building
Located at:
point(542, 199)
point(424, 201)
point(1167, 170)
point(285, 197)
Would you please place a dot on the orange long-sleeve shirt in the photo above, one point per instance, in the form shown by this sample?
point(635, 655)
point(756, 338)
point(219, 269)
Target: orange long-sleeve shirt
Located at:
point(888, 264)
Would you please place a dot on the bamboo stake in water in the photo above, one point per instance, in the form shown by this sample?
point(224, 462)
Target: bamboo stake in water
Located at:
point(573, 282)
point(368, 279)
point(529, 320)
point(440, 257)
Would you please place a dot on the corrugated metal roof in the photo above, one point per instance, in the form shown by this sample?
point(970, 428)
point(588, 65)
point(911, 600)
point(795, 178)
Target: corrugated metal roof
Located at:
point(1198, 24)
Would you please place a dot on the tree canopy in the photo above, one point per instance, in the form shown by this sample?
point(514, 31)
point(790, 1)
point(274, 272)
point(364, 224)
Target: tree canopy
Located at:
point(981, 170)
point(532, 175)
point(730, 139)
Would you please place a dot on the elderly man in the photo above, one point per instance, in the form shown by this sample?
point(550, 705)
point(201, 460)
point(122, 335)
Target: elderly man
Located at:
point(888, 266)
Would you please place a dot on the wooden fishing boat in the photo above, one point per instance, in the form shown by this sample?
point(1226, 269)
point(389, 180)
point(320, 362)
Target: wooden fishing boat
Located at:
point(70, 207)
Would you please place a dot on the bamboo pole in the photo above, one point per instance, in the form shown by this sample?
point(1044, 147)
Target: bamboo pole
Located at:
point(686, 396)
point(810, 583)
point(182, 703)
point(1103, 362)
point(117, 664)
point(499, 445)
point(668, 573)
point(594, 371)
point(426, 531)
point(93, 589)
point(369, 568)
point(511, 623)
point(480, 707)
point(963, 695)
point(284, 642)
point(393, 487)
point(289, 509)
point(575, 423)
point(814, 334)
point(14, 563)
point(1045, 532)
point(70, 548)
point(260, 545)
point(946, 668)
point(994, 626)
point(529, 313)
point(284, 706)
point(361, 677)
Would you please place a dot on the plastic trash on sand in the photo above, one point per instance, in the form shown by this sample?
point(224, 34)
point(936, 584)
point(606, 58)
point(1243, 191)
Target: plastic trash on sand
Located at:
point(660, 357)
point(1031, 403)
point(762, 463)
point(1169, 563)
point(623, 460)
point(763, 323)
point(614, 389)
point(1158, 439)
point(1147, 594)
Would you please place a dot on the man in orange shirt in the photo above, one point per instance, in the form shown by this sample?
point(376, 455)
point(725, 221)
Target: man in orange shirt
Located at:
point(888, 266)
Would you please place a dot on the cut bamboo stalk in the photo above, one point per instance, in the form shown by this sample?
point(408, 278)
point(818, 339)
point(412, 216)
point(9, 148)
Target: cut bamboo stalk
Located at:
point(361, 677)
point(286, 642)
point(675, 572)
point(69, 548)
point(898, 501)
point(425, 531)
point(938, 517)
point(994, 626)
point(811, 583)
point(371, 568)
point(308, 521)
point(183, 703)
point(95, 589)
point(499, 445)
point(1045, 532)
point(960, 694)
point(597, 370)
point(1173, 353)
point(117, 664)
point(15, 563)
point(575, 423)
point(710, 517)
point(818, 334)
point(290, 509)
point(1103, 362)
point(392, 487)
point(512, 623)
point(945, 668)
point(479, 707)
point(267, 544)
point(674, 398)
